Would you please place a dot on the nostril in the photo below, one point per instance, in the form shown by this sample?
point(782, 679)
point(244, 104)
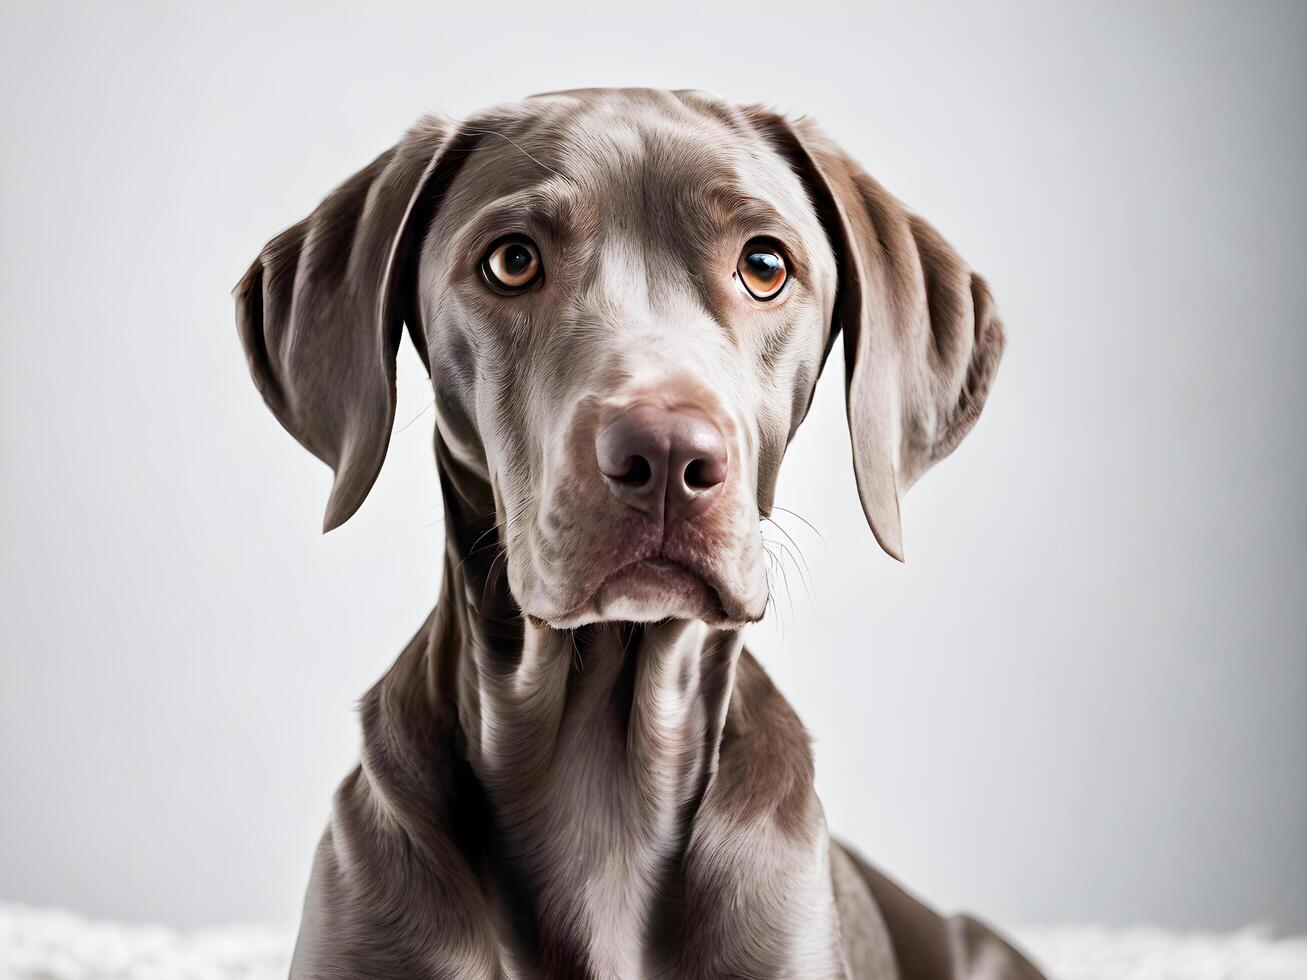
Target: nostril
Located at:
point(637, 473)
point(702, 474)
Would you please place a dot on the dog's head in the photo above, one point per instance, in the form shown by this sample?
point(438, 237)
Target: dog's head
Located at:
point(624, 299)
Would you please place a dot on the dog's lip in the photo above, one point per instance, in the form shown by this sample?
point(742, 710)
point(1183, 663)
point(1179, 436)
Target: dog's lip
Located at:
point(660, 564)
point(651, 563)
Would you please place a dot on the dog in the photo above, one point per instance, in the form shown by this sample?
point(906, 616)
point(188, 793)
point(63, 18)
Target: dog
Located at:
point(624, 299)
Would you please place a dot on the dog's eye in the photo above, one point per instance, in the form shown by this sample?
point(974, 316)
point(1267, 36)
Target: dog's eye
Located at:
point(761, 270)
point(511, 265)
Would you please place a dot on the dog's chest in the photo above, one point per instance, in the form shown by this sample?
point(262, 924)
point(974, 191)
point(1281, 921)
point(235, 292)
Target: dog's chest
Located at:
point(604, 831)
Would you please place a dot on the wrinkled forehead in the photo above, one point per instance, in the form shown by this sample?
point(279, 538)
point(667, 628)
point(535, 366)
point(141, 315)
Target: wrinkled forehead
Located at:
point(648, 166)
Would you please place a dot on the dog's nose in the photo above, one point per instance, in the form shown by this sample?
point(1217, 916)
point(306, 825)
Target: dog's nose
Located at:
point(668, 463)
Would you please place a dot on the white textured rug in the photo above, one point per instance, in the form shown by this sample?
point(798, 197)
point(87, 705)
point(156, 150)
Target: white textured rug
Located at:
point(40, 944)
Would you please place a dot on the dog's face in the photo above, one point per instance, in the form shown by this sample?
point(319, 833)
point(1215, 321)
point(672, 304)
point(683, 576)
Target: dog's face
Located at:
point(625, 299)
point(626, 303)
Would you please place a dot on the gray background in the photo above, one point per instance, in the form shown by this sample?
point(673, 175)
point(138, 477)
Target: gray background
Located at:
point(1081, 699)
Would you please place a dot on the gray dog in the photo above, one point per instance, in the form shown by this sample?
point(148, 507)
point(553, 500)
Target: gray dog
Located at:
point(624, 299)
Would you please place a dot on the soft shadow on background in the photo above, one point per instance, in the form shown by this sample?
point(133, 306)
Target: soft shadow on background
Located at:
point(1084, 697)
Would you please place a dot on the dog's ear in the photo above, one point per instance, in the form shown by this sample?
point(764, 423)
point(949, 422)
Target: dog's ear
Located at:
point(922, 339)
point(322, 309)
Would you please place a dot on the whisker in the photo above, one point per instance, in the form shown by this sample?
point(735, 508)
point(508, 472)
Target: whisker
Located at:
point(490, 574)
point(805, 576)
point(423, 411)
point(804, 572)
point(473, 550)
point(787, 534)
point(507, 139)
point(812, 527)
point(789, 593)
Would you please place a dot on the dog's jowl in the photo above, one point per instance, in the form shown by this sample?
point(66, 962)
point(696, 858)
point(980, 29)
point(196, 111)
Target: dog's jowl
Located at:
point(624, 299)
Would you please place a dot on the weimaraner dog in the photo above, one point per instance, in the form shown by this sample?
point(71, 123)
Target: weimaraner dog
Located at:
point(624, 299)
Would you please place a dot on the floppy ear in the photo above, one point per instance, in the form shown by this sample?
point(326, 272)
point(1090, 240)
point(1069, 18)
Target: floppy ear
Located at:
point(922, 340)
point(322, 308)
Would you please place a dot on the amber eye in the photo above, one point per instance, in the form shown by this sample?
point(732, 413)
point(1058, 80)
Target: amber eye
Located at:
point(511, 265)
point(761, 270)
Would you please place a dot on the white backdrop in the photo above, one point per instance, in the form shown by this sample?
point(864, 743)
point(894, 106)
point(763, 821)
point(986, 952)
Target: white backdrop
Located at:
point(1081, 699)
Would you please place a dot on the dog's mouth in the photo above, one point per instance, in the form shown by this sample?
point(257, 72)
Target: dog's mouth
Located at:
point(659, 578)
point(653, 588)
